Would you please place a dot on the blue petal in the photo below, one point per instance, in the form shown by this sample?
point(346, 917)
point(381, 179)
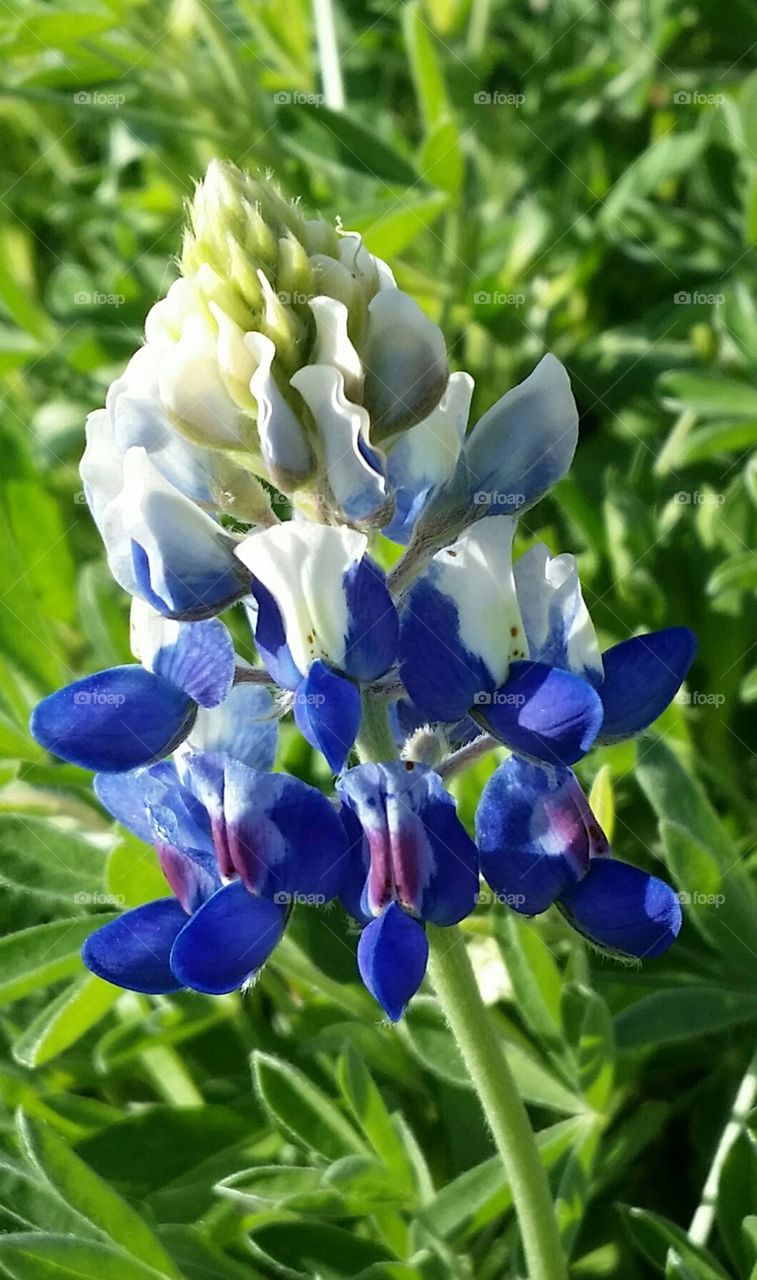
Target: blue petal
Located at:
point(271, 641)
point(531, 834)
point(524, 444)
point(544, 713)
point(642, 676)
point(392, 955)
point(244, 727)
point(441, 676)
point(227, 940)
point(373, 633)
point(133, 951)
point(327, 709)
point(195, 591)
point(200, 660)
point(127, 796)
point(416, 851)
point(283, 837)
point(623, 909)
point(114, 720)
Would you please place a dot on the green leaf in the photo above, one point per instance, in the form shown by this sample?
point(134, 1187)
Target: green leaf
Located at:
point(315, 1249)
point(369, 1110)
point(357, 147)
point(388, 229)
point(654, 1236)
point(737, 573)
point(87, 1193)
point(49, 1257)
point(681, 1014)
point(737, 1196)
point(440, 158)
point(425, 66)
point(64, 1021)
point(39, 858)
point(32, 959)
point(590, 1034)
point(28, 1203)
point(708, 396)
point(717, 438)
point(719, 903)
point(533, 973)
point(676, 795)
point(132, 873)
point(303, 1111)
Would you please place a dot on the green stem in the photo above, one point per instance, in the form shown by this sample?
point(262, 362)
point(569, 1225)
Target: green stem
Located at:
point(455, 983)
point(702, 1222)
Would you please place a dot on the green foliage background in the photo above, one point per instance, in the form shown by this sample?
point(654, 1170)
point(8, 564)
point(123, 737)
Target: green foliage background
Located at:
point(608, 213)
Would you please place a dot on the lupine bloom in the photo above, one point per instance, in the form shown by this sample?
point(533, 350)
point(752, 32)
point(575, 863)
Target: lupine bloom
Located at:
point(285, 358)
point(541, 844)
point(411, 862)
point(515, 646)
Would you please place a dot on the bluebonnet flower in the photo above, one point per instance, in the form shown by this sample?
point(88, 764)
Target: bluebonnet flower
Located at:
point(541, 844)
point(236, 847)
point(132, 715)
point(286, 356)
point(324, 622)
point(411, 862)
point(516, 647)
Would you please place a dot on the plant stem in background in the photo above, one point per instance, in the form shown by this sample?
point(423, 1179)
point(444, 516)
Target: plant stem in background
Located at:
point(456, 987)
point(701, 1223)
point(328, 54)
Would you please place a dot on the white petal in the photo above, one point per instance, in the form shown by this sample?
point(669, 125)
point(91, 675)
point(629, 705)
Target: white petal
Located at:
point(476, 573)
point(555, 617)
point(333, 346)
point(357, 487)
point(303, 566)
point(426, 455)
point(193, 390)
point(283, 444)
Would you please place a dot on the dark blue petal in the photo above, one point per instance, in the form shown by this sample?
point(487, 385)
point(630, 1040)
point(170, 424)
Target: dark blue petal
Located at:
point(127, 796)
point(270, 638)
point(417, 852)
point(200, 661)
point(642, 676)
point(327, 709)
point(133, 951)
point(392, 955)
point(543, 713)
point(114, 720)
point(441, 676)
point(192, 587)
point(531, 834)
point(283, 837)
point(373, 632)
point(623, 909)
point(227, 940)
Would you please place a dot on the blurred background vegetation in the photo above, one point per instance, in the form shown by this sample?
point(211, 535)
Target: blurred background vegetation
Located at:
point(563, 175)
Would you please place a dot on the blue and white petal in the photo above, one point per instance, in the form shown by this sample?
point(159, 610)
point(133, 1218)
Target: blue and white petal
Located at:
point(426, 455)
point(127, 796)
point(623, 910)
point(524, 444)
point(542, 712)
point(405, 362)
point(642, 676)
point(558, 627)
point(354, 474)
point(310, 573)
point(134, 950)
point(532, 831)
point(244, 727)
point(227, 940)
point(461, 626)
point(183, 562)
point(415, 850)
point(198, 657)
point(114, 720)
point(283, 443)
point(392, 955)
